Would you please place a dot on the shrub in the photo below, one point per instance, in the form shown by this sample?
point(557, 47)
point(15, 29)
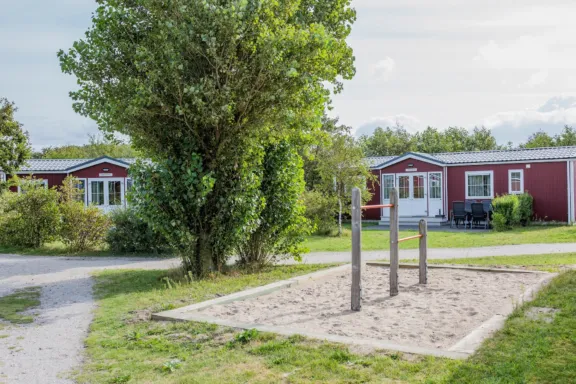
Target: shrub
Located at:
point(30, 218)
point(320, 210)
point(507, 206)
point(82, 227)
point(131, 234)
point(499, 222)
point(525, 208)
point(512, 210)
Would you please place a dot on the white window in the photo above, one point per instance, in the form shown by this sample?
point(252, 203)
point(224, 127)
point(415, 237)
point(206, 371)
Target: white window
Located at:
point(387, 185)
point(34, 183)
point(515, 181)
point(480, 185)
point(435, 185)
point(2, 176)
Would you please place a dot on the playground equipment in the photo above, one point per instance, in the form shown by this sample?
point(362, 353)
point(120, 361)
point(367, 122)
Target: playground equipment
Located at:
point(357, 208)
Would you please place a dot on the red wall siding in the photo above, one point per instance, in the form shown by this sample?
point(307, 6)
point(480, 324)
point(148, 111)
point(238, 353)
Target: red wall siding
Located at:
point(546, 182)
point(95, 170)
point(420, 165)
point(54, 179)
point(374, 187)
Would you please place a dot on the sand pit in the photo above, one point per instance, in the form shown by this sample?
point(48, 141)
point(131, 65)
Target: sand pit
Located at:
point(454, 303)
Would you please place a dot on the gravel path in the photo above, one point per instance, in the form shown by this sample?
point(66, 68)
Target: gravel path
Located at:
point(45, 351)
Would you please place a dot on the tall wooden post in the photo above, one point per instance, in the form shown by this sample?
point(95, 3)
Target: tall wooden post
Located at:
point(423, 262)
point(394, 231)
point(356, 249)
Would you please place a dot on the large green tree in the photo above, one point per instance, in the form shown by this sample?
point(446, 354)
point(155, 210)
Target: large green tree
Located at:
point(14, 146)
point(397, 140)
point(96, 147)
point(202, 87)
point(542, 139)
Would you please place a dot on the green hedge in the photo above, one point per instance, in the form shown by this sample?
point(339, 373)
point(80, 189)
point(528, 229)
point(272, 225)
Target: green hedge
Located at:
point(512, 210)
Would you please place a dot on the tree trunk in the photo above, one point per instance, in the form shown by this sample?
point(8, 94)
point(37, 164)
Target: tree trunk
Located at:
point(339, 217)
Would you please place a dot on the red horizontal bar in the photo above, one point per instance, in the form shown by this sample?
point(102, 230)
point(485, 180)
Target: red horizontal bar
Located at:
point(377, 206)
point(409, 238)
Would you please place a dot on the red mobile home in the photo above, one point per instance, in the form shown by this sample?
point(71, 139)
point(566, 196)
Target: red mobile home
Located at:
point(104, 180)
point(428, 184)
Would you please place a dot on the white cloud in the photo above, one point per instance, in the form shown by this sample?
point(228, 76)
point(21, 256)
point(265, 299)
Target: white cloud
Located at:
point(516, 126)
point(410, 123)
point(384, 68)
point(536, 79)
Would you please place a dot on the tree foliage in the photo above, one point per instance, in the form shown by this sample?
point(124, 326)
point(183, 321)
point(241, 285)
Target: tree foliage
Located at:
point(397, 140)
point(281, 226)
point(14, 146)
point(542, 139)
point(342, 166)
point(202, 87)
point(96, 147)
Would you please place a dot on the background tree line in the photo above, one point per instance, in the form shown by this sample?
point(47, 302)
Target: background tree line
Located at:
point(394, 141)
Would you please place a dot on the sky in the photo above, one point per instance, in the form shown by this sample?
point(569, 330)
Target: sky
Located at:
point(507, 65)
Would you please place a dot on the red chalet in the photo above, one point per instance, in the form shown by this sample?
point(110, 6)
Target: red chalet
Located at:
point(104, 180)
point(429, 183)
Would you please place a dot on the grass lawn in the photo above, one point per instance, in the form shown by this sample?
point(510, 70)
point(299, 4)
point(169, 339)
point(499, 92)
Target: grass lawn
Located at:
point(12, 306)
point(530, 351)
point(124, 347)
point(551, 263)
point(377, 240)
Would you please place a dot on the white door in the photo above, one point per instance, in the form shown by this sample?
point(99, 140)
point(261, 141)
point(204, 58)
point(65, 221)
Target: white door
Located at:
point(412, 194)
point(107, 194)
point(435, 195)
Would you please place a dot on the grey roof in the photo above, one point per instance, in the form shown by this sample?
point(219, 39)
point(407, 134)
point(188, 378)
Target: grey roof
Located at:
point(63, 165)
point(377, 160)
point(510, 155)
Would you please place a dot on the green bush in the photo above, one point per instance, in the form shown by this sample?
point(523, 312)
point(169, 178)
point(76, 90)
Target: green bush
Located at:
point(130, 234)
point(320, 211)
point(525, 208)
point(30, 218)
point(82, 227)
point(499, 222)
point(512, 210)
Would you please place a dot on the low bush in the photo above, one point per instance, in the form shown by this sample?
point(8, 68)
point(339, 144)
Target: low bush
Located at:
point(82, 228)
point(30, 218)
point(512, 210)
point(320, 211)
point(130, 234)
point(525, 208)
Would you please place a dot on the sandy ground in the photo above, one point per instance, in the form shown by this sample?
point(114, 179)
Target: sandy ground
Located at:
point(438, 315)
point(45, 351)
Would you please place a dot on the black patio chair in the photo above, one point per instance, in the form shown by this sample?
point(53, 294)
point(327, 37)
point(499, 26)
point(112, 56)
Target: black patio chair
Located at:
point(479, 215)
point(488, 209)
point(458, 214)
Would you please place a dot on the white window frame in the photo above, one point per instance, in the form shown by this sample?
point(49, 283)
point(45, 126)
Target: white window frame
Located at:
point(393, 175)
point(106, 191)
point(510, 171)
point(429, 186)
point(39, 181)
point(479, 173)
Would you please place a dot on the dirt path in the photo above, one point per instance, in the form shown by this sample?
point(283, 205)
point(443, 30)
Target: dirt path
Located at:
point(47, 350)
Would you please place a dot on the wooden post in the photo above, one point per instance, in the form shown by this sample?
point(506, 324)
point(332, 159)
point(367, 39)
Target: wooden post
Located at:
point(423, 230)
point(394, 230)
point(356, 249)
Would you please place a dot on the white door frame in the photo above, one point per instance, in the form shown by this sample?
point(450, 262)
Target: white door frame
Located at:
point(413, 210)
point(106, 206)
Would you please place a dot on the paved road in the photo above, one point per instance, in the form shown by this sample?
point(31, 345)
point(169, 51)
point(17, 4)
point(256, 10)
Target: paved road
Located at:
point(444, 253)
point(45, 351)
